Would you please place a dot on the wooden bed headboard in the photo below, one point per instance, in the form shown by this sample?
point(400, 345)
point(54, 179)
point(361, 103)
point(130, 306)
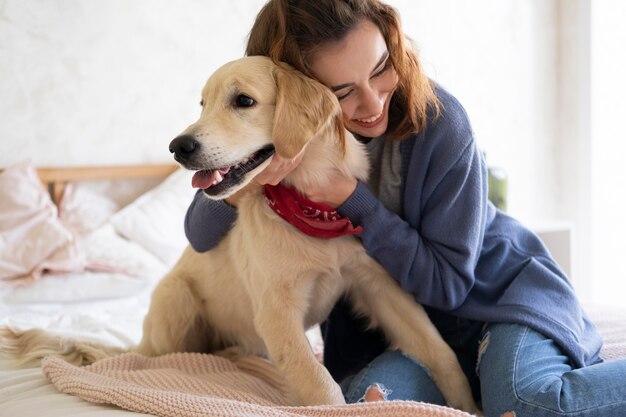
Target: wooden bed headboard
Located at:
point(56, 179)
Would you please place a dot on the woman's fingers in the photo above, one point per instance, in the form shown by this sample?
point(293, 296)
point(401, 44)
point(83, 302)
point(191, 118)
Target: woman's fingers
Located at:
point(335, 195)
point(278, 169)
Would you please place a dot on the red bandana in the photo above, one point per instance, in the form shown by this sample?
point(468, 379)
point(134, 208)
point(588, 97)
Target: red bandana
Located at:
point(311, 218)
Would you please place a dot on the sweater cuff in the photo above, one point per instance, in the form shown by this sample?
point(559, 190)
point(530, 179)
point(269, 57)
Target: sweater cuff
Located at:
point(360, 203)
point(207, 222)
point(224, 212)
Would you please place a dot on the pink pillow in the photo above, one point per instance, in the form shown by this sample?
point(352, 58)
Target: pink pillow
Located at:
point(30, 230)
point(83, 210)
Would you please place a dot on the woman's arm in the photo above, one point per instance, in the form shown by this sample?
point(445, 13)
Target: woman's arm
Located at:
point(433, 249)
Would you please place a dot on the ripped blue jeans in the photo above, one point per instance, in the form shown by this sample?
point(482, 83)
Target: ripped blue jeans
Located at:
point(519, 371)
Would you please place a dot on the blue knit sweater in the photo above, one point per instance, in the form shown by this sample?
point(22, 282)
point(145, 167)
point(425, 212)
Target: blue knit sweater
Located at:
point(452, 249)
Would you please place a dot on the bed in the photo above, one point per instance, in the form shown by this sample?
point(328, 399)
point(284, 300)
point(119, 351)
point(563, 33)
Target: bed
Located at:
point(80, 252)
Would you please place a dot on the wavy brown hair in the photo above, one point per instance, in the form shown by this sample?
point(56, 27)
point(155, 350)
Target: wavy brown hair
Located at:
point(289, 30)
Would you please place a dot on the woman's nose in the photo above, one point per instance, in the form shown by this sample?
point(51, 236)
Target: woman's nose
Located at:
point(372, 102)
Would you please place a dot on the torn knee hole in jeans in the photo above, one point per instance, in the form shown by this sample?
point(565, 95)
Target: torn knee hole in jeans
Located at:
point(482, 348)
point(375, 392)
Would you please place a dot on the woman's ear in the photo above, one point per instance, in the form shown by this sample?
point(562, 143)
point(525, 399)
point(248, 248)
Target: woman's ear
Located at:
point(303, 107)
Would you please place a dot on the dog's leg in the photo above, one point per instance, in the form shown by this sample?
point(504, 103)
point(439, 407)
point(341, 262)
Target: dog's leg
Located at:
point(169, 325)
point(279, 320)
point(408, 327)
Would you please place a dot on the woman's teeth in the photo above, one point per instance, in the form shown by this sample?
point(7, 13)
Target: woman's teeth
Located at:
point(370, 119)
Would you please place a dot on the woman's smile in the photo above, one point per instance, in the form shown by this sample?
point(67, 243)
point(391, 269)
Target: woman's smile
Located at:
point(359, 71)
point(370, 121)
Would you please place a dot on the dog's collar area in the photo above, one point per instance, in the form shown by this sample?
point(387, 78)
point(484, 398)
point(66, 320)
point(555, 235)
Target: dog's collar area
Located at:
point(311, 218)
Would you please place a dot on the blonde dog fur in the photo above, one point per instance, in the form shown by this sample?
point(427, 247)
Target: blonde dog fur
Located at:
point(258, 291)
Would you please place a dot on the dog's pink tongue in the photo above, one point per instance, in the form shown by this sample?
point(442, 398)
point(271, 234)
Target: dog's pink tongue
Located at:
point(203, 179)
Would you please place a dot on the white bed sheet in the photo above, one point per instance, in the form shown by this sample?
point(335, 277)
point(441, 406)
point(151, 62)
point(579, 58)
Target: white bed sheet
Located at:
point(110, 308)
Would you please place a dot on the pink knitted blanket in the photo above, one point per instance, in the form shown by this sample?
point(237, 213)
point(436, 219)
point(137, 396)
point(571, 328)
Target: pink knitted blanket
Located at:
point(610, 321)
point(191, 384)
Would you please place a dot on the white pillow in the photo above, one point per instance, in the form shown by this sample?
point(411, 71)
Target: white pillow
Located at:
point(29, 228)
point(156, 219)
point(105, 250)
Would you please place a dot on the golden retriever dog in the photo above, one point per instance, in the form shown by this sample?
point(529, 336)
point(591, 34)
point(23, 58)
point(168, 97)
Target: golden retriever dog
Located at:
point(266, 283)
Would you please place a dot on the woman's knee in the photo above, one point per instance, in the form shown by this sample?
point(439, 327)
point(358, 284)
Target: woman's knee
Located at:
point(524, 371)
point(497, 355)
point(393, 376)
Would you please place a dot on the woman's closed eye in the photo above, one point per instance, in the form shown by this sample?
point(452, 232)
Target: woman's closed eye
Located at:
point(344, 95)
point(377, 74)
point(383, 69)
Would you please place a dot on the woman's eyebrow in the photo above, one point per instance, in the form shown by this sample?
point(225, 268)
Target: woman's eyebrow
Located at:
point(382, 59)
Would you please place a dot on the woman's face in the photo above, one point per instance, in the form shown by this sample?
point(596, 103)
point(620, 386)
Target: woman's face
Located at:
point(358, 70)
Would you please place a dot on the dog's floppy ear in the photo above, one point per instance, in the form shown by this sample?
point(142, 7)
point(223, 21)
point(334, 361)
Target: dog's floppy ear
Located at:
point(303, 107)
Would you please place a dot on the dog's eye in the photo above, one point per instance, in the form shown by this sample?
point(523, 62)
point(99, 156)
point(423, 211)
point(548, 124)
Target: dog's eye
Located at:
point(201, 103)
point(243, 100)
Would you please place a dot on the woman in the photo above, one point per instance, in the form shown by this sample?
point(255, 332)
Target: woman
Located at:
point(489, 284)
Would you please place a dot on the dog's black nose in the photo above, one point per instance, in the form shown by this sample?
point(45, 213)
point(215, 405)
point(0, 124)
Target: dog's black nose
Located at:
point(184, 146)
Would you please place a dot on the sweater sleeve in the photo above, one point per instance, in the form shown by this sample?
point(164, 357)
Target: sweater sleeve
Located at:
point(432, 250)
point(207, 222)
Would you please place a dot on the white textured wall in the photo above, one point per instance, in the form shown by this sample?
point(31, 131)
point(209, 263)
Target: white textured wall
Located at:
point(108, 82)
point(608, 151)
point(111, 82)
point(499, 58)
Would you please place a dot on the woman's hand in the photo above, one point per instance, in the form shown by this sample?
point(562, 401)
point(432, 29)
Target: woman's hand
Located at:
point(278, 169)
point(337, 193)
point(274, 173)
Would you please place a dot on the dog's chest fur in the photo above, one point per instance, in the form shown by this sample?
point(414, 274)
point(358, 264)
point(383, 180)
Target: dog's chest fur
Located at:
point(263, 259)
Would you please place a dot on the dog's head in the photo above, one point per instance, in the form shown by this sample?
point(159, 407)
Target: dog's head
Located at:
point(252, 108)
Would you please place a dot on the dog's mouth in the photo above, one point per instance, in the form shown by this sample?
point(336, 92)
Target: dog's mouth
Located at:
point(216, 181)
